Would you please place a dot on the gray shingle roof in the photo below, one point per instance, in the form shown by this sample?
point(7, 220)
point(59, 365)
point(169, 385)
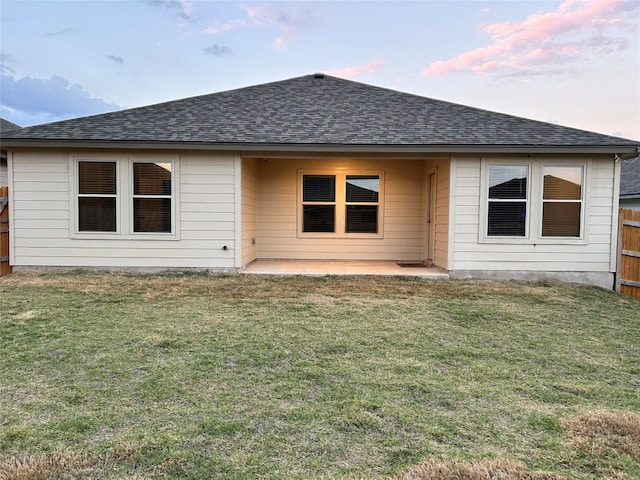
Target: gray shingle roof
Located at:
point(7, 126)
point(314, 110)
point(630, 178)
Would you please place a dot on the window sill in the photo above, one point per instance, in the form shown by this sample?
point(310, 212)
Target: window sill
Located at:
point(538, 241)
point(342, 236)
point(118, 236)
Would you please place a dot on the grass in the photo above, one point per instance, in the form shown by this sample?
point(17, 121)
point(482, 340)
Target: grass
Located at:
point(124, 376)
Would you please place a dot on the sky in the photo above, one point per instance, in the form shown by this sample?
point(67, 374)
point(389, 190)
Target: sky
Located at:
point(573, 63)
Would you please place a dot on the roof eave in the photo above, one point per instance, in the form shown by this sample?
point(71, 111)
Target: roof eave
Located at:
point(320, 148)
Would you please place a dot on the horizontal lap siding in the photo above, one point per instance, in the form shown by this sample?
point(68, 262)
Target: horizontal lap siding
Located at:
point(402, 206)
point(593, 255)
point(41, 217)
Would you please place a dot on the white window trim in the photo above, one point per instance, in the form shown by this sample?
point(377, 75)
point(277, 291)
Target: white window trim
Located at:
point(533, 225)
point(341, 204)
point(124, 196)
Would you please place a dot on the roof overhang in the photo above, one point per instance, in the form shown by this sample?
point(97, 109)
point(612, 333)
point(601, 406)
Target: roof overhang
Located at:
point(269, 149)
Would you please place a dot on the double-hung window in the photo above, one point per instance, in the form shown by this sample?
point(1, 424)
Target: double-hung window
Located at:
point(562, 201)
point(124, 196)
point(341, 204)
point(534, 202)
point(319, 203)
point(362, 203)
point(152, 197)
point(507, 204)
point(97, 196)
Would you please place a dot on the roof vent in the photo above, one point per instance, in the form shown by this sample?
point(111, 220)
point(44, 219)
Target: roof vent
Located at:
point(318, 75)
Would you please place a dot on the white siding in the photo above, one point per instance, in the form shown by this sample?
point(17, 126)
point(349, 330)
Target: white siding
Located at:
point(403, 207)
point(41, 217)
point(592, 254)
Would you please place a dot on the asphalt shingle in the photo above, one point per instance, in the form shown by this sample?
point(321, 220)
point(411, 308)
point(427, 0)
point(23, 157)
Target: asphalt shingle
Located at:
point(315, 110)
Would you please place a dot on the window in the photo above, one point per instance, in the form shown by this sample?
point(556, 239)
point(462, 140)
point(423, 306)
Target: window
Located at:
point(125, 196)
point(561, 201)
point(536, 202)
point(341, 204)
point(319, 203)
point(507, 201)
point(97, 194)
point(362, 203)
point(152, 197)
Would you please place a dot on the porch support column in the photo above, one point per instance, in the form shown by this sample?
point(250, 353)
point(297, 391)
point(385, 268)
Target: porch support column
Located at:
point(237, 190)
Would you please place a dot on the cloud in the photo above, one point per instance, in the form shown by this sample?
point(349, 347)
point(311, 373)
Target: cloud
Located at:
point(118, 60)
point(217, 50)
point(53, 98)
point(288, 23)
point(356, 71)
point(226, 26)
point(182, 9)
point(548, 43)
point(59, 33)
point(4, 59)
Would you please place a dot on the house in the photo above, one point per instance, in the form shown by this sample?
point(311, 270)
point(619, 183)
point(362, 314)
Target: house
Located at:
point(630, 184)
point(5, 126)
point(316, 168)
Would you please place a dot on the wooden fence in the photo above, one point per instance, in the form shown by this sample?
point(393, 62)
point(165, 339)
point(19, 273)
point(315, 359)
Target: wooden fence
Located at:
point(5, 268)
point(628, 275)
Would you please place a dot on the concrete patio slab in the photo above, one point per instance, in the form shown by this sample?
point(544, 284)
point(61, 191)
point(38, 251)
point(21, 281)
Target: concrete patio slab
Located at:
point(322, 268)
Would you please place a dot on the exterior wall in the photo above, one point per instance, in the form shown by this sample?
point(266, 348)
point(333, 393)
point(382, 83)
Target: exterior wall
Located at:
point(443, 190)
point(403, 207)
point(42, 206)
point(588, 259)
point(249, 210)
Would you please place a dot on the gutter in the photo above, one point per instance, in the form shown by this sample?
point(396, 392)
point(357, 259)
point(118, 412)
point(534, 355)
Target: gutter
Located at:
point(266, 149)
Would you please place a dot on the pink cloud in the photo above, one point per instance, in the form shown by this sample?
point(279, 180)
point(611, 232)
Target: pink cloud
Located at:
point(225, 27)
point(575, 29)
point(289, 23)
point(356, 71)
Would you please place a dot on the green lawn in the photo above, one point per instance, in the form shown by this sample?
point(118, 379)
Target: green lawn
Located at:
point(124, 376)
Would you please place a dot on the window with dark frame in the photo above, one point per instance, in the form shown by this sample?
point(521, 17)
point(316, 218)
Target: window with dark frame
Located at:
point(507, 200)
point(97, 195)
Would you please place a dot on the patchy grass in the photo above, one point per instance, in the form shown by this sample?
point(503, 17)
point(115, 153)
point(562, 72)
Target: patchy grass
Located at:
point(197, 376)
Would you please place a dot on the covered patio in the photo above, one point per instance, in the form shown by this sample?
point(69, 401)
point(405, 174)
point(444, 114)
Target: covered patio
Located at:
point(321, 268)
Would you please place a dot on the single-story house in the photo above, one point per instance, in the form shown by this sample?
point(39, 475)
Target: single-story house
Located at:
point(316, 168)
point(630, 184)
point(5, 126)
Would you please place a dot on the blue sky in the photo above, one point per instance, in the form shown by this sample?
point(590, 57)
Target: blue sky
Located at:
point(575, 63)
